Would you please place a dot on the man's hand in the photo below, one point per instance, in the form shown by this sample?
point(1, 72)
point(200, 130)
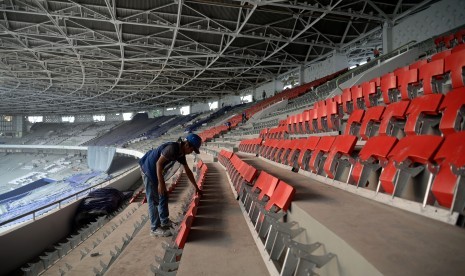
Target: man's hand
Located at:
point(197, 189)
point(161, 188)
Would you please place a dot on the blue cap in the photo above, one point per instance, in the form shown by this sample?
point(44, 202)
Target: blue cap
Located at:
point(195, 141)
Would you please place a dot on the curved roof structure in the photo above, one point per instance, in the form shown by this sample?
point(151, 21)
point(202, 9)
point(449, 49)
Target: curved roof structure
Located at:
point(73, 57)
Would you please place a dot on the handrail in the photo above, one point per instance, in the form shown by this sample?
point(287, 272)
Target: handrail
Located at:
point(33, 212)
point(378, 60)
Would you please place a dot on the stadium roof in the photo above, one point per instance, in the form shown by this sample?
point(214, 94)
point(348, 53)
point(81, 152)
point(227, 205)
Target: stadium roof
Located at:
point(72, 57)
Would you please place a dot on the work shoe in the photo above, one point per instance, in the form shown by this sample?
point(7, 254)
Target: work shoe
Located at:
point(161, 231)
point(170, 224)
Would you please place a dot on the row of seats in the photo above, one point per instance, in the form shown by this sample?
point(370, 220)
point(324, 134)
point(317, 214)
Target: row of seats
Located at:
point(433, 164)
point(266, 199)
point(173, 251)
point(442, 75)
point(428, 114)
point(286, 94)
point(450, 40)
point(245, 179)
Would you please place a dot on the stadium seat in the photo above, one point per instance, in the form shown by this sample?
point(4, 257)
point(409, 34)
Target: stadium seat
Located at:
point(459, 36)
point(454, 64)
point(453, 112)
point(310, 116)
point(357, 97)
point(428, 75)
point(388, 87)
point(405, 77)
point(322, 116)
point(280, 200)
point(370, 159)
point(393, 119)
point(422, 114)
point(292, 158)
point(354, 122)
point(449, 40)
point(407, 162)
point(371, 121)
point(458, 48)
point(347, 102)
point(335, 164)
point(307, 151)
point(249, 176)
point(334, 113)
point(440, 55)
point(448, 185)
point(418, 64)
point(263, 183)
point(184, 229)
point(318, 156)
point(369, 92)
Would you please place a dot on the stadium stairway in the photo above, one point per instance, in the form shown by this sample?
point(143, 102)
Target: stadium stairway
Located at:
point(219, 242)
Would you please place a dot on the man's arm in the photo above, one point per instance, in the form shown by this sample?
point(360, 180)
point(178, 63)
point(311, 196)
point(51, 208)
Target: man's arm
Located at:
point(161, 179)
point(191, 177)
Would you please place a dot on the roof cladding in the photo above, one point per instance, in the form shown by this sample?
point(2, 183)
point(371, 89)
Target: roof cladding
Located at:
point(73, 57)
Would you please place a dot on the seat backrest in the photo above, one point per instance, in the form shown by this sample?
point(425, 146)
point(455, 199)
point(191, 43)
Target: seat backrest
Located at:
point(454, 64)
point(355, 118)
point(388, 81)
point(451, 152)
point(427, 71)
point(344, 144)
point(426, 104)
point(405, 76)
point(282, 197)
point(184, 230)
point(268, 187)
point(419, 149)
point(453, 102)
point(396, 110)
point(250, 174)
point(377, 147)
point(373, 114)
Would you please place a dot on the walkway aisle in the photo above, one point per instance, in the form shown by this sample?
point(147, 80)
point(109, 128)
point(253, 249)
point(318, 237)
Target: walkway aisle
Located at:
point(220, 242)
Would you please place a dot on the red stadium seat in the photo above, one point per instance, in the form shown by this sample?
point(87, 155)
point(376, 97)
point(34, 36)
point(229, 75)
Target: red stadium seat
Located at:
point(369, 91)
point(388, 85)
point(428, 72)
point(407, 161)
point(371, 121)
point(418, 64)
point(307, 151)
point(354, 122)
point(405, 76)
point(317, 160)
point(322, 116)
point(441, 55)
point(453, 112)
point(454, 64)
point(459, 35)
point(451, 161)
point(357, 97)
point(393, 114)
point(347, 103)
point(370, 159)
point(296, 146)
point(281, 198)
point(184, 229)
point(418, 110)
point(342, 147)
